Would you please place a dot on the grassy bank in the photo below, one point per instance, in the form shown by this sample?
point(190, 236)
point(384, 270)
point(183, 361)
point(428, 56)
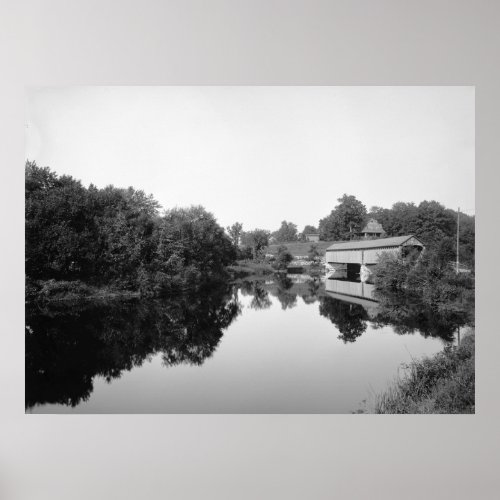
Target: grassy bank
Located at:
point(245, 268)
point(444, 383)
point(61, 291)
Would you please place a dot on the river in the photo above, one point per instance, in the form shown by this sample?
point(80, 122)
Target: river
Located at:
point(276, 345)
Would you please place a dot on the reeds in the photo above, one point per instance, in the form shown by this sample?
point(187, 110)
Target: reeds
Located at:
point(444, 383)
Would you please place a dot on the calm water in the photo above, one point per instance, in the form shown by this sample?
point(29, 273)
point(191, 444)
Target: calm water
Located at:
point(287, 346)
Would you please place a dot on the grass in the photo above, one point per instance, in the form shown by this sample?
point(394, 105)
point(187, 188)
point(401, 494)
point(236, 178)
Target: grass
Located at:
point(60, 291)
point(245, 268)
point(444, 383)
point(299, 248)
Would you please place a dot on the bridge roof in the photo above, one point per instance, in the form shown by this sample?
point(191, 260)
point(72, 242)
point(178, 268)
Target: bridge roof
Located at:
point(396, 241)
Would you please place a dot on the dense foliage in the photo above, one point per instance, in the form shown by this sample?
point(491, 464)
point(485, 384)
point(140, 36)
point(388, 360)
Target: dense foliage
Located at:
point(431, 222)
point(235, 232)
point(253, 243)
point(344, 221)
point(117, 237)
point(283, 258)
point(428, 280)
point(434, 224)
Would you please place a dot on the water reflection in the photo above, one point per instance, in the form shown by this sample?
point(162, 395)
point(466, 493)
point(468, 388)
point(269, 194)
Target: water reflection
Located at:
point(350, 305)
point(67, 347)
point(408, 315)
point(349, 318)
point(283, 293)
point(260, 296)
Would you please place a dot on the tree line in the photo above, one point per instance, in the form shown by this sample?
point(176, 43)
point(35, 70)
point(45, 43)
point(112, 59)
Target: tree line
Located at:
point(116, 237)
point(430, 221)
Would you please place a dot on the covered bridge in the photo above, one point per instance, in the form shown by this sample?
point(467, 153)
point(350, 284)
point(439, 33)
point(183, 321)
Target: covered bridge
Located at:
point(367, 252)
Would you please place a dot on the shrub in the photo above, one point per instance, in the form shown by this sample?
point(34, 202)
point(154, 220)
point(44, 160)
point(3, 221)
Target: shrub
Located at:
point(55, 290)
point(283, 258)
point(442, 384)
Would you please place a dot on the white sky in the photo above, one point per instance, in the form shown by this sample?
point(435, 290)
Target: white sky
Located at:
point(259, 155)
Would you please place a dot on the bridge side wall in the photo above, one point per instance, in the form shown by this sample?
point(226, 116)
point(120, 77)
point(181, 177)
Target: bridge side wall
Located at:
point(344, 256)
point(354, 289)
point(368, 256)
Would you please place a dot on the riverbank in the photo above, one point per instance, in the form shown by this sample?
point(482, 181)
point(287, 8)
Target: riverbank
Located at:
point(65, 291)
point(247, 268)
point(69, 291)
point(444, 383)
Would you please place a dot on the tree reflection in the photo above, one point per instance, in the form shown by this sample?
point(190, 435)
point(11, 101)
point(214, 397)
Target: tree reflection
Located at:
point(260, 299)
point(350, 319)
point(313, 291)
point(283, 292)
point(408, 315)
point(67, 347)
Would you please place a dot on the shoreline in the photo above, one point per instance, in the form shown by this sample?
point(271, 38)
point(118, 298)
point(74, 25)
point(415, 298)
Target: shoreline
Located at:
point(443, 383)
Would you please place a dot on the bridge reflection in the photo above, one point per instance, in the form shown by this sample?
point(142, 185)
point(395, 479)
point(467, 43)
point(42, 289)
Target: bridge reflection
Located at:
point(353, 292)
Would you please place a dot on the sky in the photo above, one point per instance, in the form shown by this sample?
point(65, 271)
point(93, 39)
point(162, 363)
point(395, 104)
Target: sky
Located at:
point(261, 155)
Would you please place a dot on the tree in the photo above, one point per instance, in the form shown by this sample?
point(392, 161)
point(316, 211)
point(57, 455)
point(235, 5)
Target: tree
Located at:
point(257, 240)
point(195, 236)
point(313, 254)
point(115, 236)
point(286, 232)
point(344, 221)
point(403, 219)
point(467, 238)
point(234, 232)
point(434, 222)
point(329, 227)
point(283, 258)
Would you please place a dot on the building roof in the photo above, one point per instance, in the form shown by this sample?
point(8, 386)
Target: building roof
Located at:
point(378, 243)
point(372, 226)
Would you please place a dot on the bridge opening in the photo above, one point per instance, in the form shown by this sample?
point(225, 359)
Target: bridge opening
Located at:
point(353, 271)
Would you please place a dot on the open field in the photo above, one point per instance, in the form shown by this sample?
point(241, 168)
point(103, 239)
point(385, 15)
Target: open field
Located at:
point(299, 247)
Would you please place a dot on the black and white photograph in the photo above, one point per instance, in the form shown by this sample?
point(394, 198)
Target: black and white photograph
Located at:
point(250, 249)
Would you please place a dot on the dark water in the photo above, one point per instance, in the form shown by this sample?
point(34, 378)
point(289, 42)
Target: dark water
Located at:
point(275, 346)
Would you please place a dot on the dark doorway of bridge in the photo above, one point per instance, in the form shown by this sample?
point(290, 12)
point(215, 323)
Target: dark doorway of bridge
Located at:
point(353, 271)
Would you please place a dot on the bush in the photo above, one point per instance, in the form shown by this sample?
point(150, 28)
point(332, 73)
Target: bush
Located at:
point(283, 258)
point(55, 290)
point(429, 278)
point(391, 273)
point(442, 384)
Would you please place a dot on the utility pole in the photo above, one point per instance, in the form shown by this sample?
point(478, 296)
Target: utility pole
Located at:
point(458, 231)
